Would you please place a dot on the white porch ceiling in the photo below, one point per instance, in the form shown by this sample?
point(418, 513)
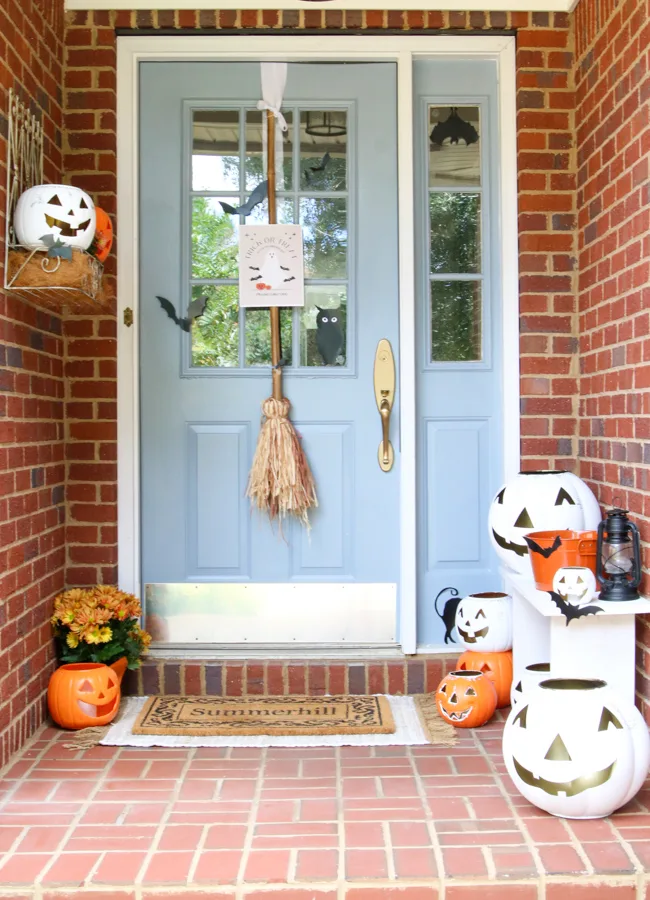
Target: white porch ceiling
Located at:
point(468, 5)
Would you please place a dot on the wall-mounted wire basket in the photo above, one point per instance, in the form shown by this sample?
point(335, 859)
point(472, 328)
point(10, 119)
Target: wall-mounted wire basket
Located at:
point(56, 283)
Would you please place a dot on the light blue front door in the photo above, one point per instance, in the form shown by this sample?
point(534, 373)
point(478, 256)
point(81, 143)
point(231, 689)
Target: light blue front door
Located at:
point(459, 346)
point(209, 566)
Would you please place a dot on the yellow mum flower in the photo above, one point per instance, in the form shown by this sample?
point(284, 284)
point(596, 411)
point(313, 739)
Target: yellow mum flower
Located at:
point(93, 635)
point(72, 640)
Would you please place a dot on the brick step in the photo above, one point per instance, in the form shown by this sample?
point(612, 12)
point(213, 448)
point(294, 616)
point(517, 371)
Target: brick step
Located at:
point(273, 677)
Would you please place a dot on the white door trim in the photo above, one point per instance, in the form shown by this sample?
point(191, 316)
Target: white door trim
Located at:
point(402, 50)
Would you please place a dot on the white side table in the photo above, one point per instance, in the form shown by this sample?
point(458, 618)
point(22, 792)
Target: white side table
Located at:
point(595, 646)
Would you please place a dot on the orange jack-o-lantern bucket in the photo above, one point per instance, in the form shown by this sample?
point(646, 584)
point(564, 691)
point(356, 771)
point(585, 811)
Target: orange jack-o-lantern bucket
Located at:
point(553, 550)
point(81, 695)
point(103, 235)
point(466, 699)
point(495, 666)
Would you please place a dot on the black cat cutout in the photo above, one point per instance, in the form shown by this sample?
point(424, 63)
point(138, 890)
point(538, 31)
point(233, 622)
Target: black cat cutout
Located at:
point(329, 337)
point(448, 614)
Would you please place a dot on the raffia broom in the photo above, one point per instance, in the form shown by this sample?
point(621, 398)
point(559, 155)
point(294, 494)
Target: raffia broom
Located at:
point(280, 482)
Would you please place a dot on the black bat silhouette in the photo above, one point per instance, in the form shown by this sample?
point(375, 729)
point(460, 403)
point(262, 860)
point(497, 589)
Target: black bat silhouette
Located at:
point(454, 128)
point(448, 615)
point(322, 165)
point(519, 549)
point(258, 196)
point(572, 612)
point(194, 310)
point(544, 551)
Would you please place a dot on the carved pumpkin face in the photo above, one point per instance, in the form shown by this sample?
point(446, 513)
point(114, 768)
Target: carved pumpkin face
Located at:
point(497, 667)
point(575, 584)
point(60, 211)
point(538, 501)
point(83, 694)
point(466, 699)
point(574, 749)
point(484, 621)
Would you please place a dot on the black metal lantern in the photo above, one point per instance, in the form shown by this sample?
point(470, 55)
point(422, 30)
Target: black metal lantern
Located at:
point(618, 563)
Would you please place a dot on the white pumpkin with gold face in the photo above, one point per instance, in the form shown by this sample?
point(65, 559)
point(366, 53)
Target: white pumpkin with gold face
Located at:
point(59, 211)
point(484, 622)
point(574, 749)
point(575, 585)
point(538, 501)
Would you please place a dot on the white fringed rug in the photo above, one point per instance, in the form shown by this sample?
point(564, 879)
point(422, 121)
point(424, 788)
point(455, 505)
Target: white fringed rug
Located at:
point(409, 731)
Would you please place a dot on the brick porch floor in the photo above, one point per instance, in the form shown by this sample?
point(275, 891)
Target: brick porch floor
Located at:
point(354, 823)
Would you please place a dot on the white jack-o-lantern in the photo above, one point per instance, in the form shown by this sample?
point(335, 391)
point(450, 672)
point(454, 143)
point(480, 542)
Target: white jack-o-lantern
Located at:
point(576, 585)
point(484, 622)
point(57, 211)
point(574, 748)
point(530, 678)
point(538, 501)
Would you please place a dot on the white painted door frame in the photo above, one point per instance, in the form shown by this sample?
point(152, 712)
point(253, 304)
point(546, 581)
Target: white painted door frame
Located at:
point(401, 49)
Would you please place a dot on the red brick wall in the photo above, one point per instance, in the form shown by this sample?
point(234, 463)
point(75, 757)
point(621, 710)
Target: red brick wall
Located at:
point(31, 402)
point(547, 223)
point(613, 143)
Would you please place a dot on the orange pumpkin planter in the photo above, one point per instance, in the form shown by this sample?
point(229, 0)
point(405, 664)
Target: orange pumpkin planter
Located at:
point(496, 666)
point(81, 695)
point(466, 699)
point(119, 667)
point(103, 240)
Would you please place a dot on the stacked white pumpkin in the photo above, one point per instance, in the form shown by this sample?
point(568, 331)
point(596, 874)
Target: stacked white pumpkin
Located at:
point(571, 746)
point(484, 628)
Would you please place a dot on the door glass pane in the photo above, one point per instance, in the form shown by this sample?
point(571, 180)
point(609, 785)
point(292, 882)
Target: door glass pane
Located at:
point(215, 150)
point(455, 232)
point(258, 336)
point(284, 211)
point(215, 334)
point(455, 321)
point(325, 237)
point(452, 160)
point(215, 236)
point(323, 150)
point(254, 159)
point(323, 323)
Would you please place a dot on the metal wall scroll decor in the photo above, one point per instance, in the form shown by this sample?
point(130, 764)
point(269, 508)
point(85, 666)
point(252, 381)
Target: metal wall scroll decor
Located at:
point(24, 156)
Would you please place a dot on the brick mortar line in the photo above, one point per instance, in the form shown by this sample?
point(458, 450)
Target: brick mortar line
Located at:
point(429, 822)
point(33, 583)
point(164, 818)
point(252, 822)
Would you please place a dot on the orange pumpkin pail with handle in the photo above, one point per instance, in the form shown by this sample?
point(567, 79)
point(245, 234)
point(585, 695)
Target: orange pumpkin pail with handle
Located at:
point(553, 550)
point(81, 695)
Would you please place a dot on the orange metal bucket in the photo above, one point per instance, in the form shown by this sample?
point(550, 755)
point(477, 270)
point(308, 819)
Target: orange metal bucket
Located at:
point(552, 550)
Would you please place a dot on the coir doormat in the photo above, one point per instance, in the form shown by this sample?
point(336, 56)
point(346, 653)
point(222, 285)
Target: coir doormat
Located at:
point(198, 716)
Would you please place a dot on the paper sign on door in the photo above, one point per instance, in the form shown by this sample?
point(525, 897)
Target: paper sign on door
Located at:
point(271, 269)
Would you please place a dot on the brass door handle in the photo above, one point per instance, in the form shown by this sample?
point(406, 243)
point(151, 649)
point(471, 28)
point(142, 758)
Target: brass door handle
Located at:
point(384, 380)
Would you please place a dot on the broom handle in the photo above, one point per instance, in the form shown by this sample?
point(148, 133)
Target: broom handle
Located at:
point(276, 343)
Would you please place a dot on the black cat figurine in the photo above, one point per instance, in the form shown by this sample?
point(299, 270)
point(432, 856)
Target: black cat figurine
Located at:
point(329, 337)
